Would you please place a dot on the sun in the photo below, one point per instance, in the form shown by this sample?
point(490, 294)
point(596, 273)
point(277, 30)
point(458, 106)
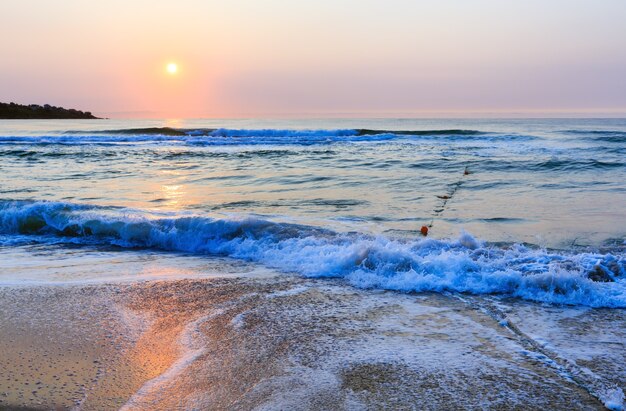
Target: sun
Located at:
point(172, 68)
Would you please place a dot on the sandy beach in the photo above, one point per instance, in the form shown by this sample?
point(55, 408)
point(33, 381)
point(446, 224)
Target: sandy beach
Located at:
point(287, 343)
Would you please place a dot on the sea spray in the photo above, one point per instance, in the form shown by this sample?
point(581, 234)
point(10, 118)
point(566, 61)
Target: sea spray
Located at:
point(410, 265)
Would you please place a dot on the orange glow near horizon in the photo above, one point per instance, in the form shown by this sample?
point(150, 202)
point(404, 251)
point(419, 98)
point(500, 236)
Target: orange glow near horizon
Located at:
point(193, 58)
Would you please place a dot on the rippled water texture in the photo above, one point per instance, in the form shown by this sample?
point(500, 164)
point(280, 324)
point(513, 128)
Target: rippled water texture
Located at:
point(544, 200)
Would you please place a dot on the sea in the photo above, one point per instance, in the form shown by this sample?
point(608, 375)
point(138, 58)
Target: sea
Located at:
point(533, 209)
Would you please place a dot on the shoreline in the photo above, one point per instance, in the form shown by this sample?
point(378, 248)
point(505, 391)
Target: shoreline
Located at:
point(285, 342)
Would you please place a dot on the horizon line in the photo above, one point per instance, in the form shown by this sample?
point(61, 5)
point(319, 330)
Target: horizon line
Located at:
point(423, 114)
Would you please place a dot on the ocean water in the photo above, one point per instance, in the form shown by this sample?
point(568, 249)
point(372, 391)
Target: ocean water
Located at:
point(534, 209)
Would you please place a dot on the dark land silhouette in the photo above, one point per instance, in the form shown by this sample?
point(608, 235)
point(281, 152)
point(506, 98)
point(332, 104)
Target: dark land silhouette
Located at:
point(35, 111)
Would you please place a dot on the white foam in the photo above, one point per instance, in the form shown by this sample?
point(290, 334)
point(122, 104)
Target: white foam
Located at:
point(239, 321)
point(613, 399)
point(192, 350)
point(463, 265)
point(288, 292)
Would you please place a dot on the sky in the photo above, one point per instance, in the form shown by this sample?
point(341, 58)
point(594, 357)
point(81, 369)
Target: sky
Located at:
point(272, 58)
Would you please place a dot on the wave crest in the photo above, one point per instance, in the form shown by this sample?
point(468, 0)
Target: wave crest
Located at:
point(224, 136)
point(459, 265)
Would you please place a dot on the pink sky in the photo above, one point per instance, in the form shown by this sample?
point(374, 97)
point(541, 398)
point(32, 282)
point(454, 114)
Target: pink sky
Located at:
point(323, 58)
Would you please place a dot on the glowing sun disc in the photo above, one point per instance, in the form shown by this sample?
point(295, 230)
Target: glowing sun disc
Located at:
point(172, 68)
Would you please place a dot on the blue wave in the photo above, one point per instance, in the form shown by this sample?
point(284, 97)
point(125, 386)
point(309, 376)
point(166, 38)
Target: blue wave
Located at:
point(459, 265)
point(222, 136)
point(610, 136)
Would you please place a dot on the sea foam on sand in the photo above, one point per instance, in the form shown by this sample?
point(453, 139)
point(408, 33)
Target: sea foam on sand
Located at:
point(286, 342)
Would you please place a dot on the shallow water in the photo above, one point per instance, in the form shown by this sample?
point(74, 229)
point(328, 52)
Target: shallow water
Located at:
point(542, 199)
point(46, 264)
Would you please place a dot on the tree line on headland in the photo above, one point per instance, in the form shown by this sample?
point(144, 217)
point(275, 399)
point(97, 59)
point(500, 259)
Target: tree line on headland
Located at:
point(35, 111)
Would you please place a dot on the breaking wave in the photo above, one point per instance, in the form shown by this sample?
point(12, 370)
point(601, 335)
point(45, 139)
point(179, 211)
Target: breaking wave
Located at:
point(464, 264)
point(223, 136)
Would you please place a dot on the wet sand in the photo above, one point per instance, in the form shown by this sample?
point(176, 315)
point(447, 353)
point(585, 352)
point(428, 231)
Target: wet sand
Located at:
point(291, 343)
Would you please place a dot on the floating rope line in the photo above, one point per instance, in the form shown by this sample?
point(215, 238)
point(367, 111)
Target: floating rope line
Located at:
point(437, 212)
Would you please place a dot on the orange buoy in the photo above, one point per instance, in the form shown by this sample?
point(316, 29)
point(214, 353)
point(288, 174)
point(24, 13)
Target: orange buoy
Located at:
point(424, 230)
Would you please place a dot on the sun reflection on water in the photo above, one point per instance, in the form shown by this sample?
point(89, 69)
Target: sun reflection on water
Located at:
point(174, 195)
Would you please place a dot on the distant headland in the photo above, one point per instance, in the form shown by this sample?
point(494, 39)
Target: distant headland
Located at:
point(10, 111)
